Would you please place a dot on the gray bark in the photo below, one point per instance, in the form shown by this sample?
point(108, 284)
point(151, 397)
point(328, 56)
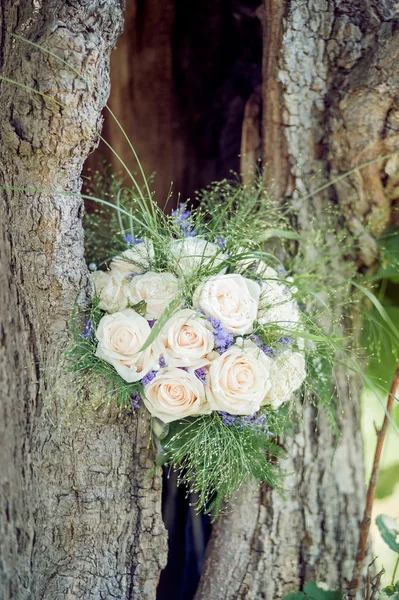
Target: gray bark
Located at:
point(79, 508)
point(330, 103)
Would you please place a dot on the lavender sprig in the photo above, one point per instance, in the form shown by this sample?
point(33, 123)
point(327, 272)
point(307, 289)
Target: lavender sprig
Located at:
point(88, 331)
point(132, 241)
point(136, 400)
point(221, 242)
point(257, 421)
point(181, 217)
point(201, 375)
point(268, 350)
point(223, 339)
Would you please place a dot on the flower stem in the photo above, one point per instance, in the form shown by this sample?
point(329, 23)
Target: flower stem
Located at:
point(394, 571)
point(365, 524)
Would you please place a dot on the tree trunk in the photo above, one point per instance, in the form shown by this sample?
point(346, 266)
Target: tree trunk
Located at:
point(330, 93)
point(79, 510)
point(80, 515)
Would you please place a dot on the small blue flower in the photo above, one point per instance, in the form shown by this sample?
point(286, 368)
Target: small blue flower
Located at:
point(257, 421)
point(268, 350)
point(201, 374)
point(88, 331)
point(285, 340)
point(148, 378)
point(130, 240)
point(220, 242)
point(223, 339)
point(181, 217)
point(136, 400)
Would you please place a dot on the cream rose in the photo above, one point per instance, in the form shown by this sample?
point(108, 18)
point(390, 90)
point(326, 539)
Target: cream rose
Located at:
point(136, 259)
point(276, 304)
point(113, 290)
point(157, 289)
point(239, 379)
point(120, 337)
point(175, 394)
point(192, 253)
point(186, 340)
point(287, 374)
point(231, 299)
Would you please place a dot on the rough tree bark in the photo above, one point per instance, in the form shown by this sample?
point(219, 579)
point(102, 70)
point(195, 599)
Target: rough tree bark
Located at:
point(79, 511)
point(80, 518)
point(330, 103)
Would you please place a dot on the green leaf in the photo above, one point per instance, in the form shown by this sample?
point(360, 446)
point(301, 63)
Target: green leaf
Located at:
point(279, 233)
point(389, 257)
point(380, 308)
point(388, 477)
point(140, 307)
point(389, 531)
point(314, 592)
point(380, 345)
point(165, 316)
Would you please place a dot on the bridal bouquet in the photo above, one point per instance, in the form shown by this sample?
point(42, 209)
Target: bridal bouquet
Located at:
point(195, 319)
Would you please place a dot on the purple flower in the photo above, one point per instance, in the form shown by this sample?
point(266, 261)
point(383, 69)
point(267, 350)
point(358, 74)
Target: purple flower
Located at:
point(152, 374)
point(228, 419)
point(257, 421)
point(130, 240)
point(201, 374)
point(220, 242)
point(285, 340)
point(148, 378)
point(223, 339)
point(268, 350)
point(152, 322)
point(88, 331)
point(136, 400)
point(282, 271)
point(181, 218)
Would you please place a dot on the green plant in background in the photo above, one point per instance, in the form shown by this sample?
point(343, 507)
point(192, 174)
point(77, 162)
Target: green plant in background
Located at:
point(315, 591)
point(389, 531)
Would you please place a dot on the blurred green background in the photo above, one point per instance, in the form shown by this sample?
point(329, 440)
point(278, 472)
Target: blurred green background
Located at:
point(382, 352)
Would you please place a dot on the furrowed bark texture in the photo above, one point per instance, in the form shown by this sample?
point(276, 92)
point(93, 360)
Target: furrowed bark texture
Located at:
point(79, 508)
point(330, 103)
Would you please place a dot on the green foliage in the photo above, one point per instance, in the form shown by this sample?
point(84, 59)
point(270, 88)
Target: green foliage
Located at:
point(389, 257)
point(389, 531)
point(165, 316)
point(313, 591)
point(216, 460)
point(391, 592)
point(388, 477)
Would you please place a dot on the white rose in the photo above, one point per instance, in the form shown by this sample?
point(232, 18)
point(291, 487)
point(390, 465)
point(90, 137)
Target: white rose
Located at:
point(157, 289)
point(120, 337)
point(239, 379)
point(193, 253)
point(231, 299)
point(276, 304)
point(287, 374)
point(113, 290)
point(186, 340)
point(175, 394)
point(256, 265)
point(136, 259)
